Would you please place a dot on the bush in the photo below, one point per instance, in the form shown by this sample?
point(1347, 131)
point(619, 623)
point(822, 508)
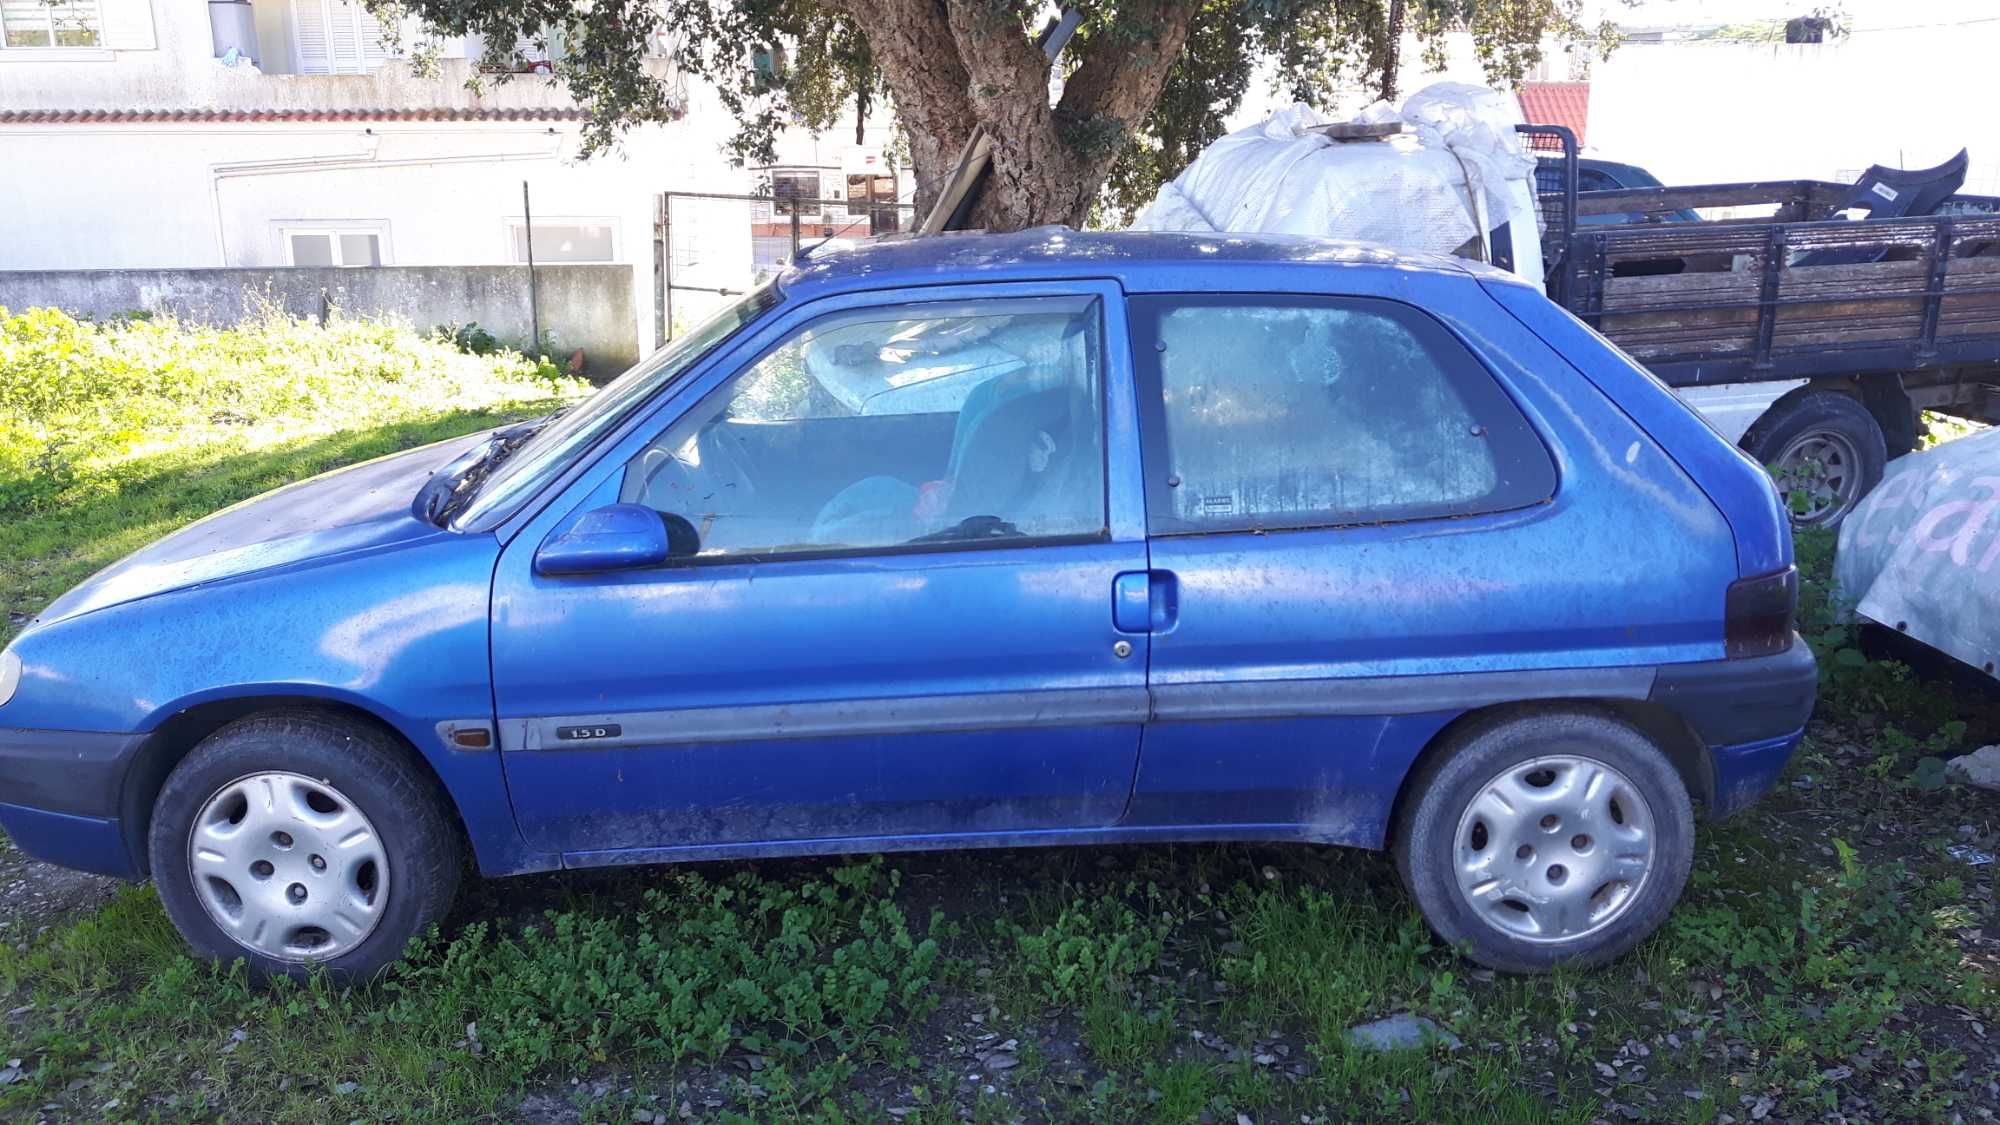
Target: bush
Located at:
point(79, 401)
point(469, 338)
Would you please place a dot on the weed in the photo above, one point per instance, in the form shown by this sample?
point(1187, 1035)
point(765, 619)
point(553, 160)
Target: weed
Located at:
point(1092, 948)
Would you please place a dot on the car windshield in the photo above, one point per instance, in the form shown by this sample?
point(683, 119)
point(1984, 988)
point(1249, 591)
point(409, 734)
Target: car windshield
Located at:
point(538, 458)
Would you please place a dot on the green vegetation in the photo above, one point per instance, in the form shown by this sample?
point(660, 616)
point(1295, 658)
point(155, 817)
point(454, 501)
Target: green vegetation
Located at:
point(1830, 957)
point(113, 434)
point(1915, 723)
point(1802, 973)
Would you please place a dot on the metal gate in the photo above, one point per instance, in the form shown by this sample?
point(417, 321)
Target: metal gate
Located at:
point(710, 246)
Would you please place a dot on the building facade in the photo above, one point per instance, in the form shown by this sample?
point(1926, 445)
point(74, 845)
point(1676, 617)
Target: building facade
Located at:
point(269, 133)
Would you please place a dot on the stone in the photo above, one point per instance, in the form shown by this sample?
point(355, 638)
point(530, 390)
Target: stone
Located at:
point(1980, 768)
point(1399, 1032)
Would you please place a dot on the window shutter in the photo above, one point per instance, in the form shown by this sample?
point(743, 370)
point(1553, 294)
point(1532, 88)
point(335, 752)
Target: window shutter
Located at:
point(309, 33)
point(336, 37)
point(344, 37)
point(27, 18)
point(127, 25)
point(368, 36)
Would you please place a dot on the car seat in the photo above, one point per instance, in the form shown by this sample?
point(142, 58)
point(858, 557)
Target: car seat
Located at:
point(989, 472)
point(1892, 193)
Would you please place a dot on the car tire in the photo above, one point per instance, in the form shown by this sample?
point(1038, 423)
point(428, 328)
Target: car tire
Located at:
point(1527, 876)
point(1833, 429)
point(302, 841)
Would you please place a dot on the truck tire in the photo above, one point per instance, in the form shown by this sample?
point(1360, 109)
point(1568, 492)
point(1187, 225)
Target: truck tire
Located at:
point(1825, 450)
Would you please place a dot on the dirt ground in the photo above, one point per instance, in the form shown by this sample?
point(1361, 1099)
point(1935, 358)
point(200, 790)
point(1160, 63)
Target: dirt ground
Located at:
point(35, 896)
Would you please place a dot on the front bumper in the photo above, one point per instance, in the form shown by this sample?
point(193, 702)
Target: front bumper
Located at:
point(60, 797)
point(1750, 713)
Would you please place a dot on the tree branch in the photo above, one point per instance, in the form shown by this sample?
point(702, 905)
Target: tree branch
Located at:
point(1121, 76)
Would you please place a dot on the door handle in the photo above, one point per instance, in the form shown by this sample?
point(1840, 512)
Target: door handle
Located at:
point(1145, 601)
point(1131, 603)
point(1163, 600)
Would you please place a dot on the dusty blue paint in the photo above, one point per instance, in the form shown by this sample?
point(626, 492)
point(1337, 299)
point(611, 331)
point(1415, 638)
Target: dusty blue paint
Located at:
point(1745, 771)
point(87, 843)
point(334, 591)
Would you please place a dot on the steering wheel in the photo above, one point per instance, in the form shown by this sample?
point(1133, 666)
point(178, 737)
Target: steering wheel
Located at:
point(669, 483)
point(723, 455)
point(664, 480)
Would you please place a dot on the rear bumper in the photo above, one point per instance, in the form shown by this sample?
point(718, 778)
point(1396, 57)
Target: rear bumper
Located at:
point(1750, 713)
point(1746, 772)
point(1745, 700)
point(60, 795)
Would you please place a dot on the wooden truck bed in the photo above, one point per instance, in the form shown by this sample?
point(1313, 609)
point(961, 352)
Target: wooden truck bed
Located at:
point(1741, 300)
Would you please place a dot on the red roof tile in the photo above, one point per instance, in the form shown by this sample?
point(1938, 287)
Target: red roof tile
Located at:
point(230, 116)
point(1557, 103)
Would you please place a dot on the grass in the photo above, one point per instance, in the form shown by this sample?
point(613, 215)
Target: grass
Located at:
point(1160, 984)
point(1830, 956)
point(112, 435)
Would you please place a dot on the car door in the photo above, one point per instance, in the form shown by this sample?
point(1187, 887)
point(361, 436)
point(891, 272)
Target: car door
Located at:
point(912, 509)
point(1357, 534)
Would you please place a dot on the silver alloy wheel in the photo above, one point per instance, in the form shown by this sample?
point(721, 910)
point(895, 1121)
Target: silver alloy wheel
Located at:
point(1554, 849)
point(1825, 467)
point(288, 867)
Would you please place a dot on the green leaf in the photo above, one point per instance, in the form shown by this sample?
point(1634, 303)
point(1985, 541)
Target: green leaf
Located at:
point(1928, 775)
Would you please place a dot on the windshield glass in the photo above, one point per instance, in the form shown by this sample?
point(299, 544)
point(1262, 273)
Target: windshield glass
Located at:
point(526, 468)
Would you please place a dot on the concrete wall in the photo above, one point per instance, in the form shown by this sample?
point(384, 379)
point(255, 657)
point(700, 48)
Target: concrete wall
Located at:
point(436, 194)
point(583, 306)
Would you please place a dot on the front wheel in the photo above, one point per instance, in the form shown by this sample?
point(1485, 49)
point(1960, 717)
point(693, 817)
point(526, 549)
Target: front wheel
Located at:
point(300, 839)
point(1546, 839)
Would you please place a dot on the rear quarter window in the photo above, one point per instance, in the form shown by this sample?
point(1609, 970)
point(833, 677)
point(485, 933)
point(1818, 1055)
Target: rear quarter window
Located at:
point(1267, 412)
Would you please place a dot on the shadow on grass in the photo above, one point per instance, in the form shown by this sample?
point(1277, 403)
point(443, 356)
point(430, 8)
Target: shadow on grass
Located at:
point(44, 553)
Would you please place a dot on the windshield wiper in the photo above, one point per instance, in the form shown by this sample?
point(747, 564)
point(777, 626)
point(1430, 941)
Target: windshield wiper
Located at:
point(458, 482)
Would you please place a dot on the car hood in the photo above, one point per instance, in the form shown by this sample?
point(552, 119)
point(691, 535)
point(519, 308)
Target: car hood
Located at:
point(359, 507)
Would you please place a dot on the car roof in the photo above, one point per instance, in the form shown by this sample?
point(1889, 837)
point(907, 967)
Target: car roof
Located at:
point(1142, 260)
point(1627, 175)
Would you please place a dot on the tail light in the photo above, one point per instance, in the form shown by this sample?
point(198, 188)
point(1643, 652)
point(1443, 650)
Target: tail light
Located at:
point(1757, 615)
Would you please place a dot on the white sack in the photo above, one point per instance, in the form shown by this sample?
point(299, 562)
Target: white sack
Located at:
point(1410, 193)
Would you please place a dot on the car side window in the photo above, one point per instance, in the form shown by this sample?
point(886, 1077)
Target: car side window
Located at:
point(905, 426)
point(1591, 179)
point(1268, 412)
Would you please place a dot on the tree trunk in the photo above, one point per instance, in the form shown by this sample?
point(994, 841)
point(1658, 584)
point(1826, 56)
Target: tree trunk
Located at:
point(1394, 57)
point(952, 65)
point(1049, 162)
point(912, 45)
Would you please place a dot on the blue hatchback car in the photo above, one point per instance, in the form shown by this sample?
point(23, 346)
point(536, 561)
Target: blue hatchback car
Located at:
point(990, 540)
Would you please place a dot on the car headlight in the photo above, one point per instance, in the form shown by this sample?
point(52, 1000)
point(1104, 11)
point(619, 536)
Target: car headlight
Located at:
point(10, 675)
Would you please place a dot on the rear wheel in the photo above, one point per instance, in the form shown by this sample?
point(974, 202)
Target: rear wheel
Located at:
point(300, 839)
point(1826, 450)
point(1546, 839)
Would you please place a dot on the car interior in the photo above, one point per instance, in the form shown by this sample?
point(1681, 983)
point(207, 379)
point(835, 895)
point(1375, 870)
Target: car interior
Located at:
point(884, 429)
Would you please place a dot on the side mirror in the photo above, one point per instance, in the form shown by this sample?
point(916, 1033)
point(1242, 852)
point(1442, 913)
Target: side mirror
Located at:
point(616, 537)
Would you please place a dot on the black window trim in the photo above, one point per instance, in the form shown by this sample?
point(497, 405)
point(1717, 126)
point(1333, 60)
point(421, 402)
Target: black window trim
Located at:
point(1093, 302)
point(1142, 313)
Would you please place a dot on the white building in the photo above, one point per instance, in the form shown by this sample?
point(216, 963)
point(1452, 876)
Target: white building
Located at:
point(128, 143)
